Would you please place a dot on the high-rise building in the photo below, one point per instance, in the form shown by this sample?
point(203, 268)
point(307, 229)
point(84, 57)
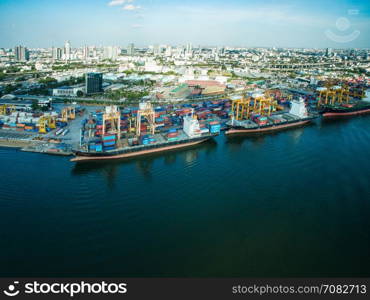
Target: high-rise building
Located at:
point(94, 83)
point(67, 50)
point(111, 52)
point(157, 50)
point(131, 49)
point(57, 53)
point(21, 53)
point(189, 47)
point(168, 51)
point(85, 52)
point(328, 51)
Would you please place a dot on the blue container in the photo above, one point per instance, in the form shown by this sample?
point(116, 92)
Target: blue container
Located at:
point(172, 130)
point(109, 137)
point(109, 143)
point(99, 148)
point(109, 148)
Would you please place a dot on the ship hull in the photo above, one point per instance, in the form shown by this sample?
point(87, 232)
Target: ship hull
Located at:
point(272, 128)
point(87, 156)
point(334, 113)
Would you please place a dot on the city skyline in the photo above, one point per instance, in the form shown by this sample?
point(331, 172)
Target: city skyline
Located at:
point(314, 24)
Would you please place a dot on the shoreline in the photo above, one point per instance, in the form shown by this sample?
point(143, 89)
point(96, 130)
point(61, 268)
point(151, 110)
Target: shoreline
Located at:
point(14, 143)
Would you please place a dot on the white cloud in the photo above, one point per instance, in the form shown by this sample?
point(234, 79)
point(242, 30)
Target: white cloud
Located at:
point(119, 2)
point(116, 2)
point(131, 7)
point(137, 26)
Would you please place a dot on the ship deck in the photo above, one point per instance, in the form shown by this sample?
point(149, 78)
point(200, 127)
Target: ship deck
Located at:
point(160, 142)
point(287, 117)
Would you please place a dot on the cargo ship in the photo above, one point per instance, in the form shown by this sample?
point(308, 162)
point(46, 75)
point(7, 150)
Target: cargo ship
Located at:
point(297, 116)
point(190, 135)
point(347, 109)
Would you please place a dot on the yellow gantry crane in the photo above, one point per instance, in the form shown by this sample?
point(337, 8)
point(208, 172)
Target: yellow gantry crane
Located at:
point(333, 94)
point(68, 113)
point(7, 109)
point(146, 110)
point(112, 121)
point(242, 108)
point(46, 122)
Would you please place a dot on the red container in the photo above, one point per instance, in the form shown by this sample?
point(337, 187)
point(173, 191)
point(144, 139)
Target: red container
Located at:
point(107, 141)
point(172, 134)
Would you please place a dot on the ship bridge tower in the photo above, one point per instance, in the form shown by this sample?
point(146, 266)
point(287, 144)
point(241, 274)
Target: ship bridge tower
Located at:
point(298, 108)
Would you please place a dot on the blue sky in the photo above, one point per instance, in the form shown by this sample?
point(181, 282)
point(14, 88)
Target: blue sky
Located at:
point(43, 23)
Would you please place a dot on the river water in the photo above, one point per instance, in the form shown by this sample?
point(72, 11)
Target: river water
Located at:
point(294, 203)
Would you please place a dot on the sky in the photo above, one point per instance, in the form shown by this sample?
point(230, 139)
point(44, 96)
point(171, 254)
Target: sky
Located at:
point(234, 23)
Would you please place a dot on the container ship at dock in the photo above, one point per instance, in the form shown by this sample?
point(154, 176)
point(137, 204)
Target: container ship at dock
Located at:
point(357, 107)
point(257, 123)
point(112, 147)
point(342, 100)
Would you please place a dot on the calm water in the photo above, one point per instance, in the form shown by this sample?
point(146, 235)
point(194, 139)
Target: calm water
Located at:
point(296, 203)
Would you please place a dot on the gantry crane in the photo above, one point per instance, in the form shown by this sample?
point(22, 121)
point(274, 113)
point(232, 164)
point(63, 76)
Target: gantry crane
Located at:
point(68, 113)
point(273, 94)
point(332, 95)
point(7, 109)
point(112, 121)
point(145, 110)
point(46, 122)
point(71, 112)
point(242, 108)
point(264, 105)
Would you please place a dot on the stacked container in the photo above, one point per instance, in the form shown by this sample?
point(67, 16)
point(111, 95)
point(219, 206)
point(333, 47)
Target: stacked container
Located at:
point(109, 141)
point(214, 127)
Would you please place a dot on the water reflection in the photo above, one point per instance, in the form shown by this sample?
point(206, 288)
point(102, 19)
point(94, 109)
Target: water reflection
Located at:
point(296, 135)
point(334, 122)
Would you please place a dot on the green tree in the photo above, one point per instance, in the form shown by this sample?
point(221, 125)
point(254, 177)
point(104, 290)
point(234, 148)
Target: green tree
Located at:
point(80, 93)
point(35, 105)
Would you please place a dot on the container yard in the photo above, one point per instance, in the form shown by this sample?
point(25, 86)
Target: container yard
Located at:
point(38, 131)
point(66, 129)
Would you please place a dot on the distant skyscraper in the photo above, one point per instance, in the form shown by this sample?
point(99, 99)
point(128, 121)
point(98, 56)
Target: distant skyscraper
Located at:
point(21, 53)
point(67, 50)
point(86, 52)
point(94, 83)
point(221, 50)
point(131, 49)
point(189, 48)
point(57, 53)
point(328, 51)
point(94, 52)
point(156, 50)
point(168, 51)
point(111, 53)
